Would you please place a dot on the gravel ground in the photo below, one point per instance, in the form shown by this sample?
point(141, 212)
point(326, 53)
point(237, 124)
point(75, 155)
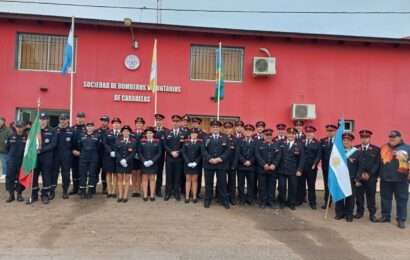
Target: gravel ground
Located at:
point(104, 229)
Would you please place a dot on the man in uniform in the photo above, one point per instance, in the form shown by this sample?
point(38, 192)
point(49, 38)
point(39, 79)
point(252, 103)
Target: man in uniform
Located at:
point(15, 145)
point(326, 145)
point(281, 130)
point(215, 153)
point(246, 164)
point(63, 155)
point(395, 178)
point(78, 130)
point(160, 133)
point(260, 126)
point(45, 157)
point(290, 169)
point(239, 129)
point(369, 164)
point(309, 174)
point(173, 143)
point(231, 164)
point(268, 156)
point(300, 136)
point(102, 132)
point(185, 125)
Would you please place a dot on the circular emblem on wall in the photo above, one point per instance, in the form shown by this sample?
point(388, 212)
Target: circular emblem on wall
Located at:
point(132, 62)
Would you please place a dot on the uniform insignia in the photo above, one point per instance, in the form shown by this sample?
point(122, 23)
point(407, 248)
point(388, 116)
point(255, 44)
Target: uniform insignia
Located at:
point(46, 140)
point(68, 139)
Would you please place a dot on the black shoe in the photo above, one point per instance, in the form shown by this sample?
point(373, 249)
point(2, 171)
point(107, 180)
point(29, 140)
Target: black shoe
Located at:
point(20, 197)
point(186, 200)
point(262, 205)
point(349, 219)
point(45, 199)
point(401, 224)
point(281, 205)
point(383, 220)
point(195, 200)
point(358, 215)
point(292, 207)
point(113, 195)
point(145, 199)
point(313, 206)
point(65, 195)
point(178, 197)
point(52, 195)
point(250, 202)
point(299, 203)
point(339, 217)
point(158, 194)
point(226, 204)
point(74, 191)
point(119, 200)
point(124, 200)
point(232, 201)
point(11, 198)
point(135, 195)
point(167, 197)
point(372, 218)
point(207, 204)
point(152, 199)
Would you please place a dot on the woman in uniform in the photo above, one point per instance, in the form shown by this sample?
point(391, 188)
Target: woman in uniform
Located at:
point(125, 152)
point(136, 172)
point(109, 161)
point(192, 154)
point(149, 153)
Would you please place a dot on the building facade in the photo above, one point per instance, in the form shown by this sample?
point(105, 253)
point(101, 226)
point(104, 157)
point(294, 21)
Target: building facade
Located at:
point(364, 80)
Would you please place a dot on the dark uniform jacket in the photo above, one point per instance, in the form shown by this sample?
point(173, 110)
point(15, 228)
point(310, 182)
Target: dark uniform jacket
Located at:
point(353, 165)
point(150, 151)
point(279, 139)
point(125, 149)
point(293, 158)
point(173, 142)
point(231, 162)
point(246, 152)
point(214, 148)
point(192, 152)
point(312, 153)
point(48, 143)
point(15, 145)
point(369, 160)
point(326, 146)
point(268, 153)
point(89, 145)
point(78, 131)
point(137, 135)
point(65, 142)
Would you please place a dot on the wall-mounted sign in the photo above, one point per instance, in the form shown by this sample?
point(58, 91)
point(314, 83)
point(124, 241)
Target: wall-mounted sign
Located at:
point(132, 62)
point(131, 87)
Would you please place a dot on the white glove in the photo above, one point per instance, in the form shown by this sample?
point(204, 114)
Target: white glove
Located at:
point(123, 162)
point(146, 164)
point(189, 165)
point(150, 163)
point(194, 164)
point(112, 154)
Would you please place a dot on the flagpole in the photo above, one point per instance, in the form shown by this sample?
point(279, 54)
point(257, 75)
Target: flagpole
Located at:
point(219, 82)
point(156, 102)
point(327, 207)
point(72, 73)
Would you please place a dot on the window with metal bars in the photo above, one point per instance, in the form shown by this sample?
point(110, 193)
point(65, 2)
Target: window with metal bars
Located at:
point(203, 60)
point(40, 52)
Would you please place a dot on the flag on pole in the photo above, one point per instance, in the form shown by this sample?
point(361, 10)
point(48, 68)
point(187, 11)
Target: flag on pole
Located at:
point(68, 51)
point(30, 154)
point(153, 76)
point(338, 177)
point(219, 89)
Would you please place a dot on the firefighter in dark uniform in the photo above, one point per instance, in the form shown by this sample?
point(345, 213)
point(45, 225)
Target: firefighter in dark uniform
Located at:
point(215, 153)
point(246, 163)
point(45, 157)
point(79, 130)
point(196, 124)
point(185, 121)
point(369, 165)
point(268, 155)
point(326, 145)
point(300, 136)
point(281, 136)
point(136, 172)
point(290, 168)
point(125, 152)
point(192, 154)
point(88, 145)
point(160, 133)
point(108, 142)
point(174, 162)
point(15, 145)
point(344, 208)
point(259, 126)
point(309, 174)
point(239, 129)
point(231, 161)
point(102, 132)
point(63, 155)
point(149, 152)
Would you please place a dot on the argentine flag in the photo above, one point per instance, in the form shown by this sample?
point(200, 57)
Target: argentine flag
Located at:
point(68, 51)
point(339, 178)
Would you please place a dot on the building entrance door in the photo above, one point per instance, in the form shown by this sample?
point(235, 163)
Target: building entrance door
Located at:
point(29, 114)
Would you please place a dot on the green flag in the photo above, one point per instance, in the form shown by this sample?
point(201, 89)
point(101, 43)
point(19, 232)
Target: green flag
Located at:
point(219, 89)
point(30, 154)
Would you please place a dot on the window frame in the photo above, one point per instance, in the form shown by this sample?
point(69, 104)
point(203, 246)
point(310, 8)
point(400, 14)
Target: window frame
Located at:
point(19, 47)
point(223, 47)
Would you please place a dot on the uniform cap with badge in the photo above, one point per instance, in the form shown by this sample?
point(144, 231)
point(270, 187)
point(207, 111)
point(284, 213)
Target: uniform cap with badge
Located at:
point(249, 127)
point(116, 120)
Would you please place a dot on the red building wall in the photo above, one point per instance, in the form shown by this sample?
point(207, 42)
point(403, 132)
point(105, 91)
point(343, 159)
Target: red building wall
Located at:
point(366, 83)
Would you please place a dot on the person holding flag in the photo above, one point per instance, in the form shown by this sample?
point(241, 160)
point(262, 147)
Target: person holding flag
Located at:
point(15, 146)
point(343, 167)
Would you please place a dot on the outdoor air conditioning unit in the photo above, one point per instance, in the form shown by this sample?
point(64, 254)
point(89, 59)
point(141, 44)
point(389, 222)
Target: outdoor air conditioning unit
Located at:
point(303, 111)
point(264, 66)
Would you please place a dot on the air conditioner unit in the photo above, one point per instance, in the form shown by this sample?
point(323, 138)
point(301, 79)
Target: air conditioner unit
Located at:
point(303, 111)
point(264, 66)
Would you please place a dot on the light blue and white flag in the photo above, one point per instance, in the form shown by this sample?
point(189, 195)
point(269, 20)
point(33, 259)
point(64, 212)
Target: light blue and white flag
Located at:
point(339, 178)
point(68, 51)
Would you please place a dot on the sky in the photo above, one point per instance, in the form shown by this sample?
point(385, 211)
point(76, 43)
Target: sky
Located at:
point(373, 25)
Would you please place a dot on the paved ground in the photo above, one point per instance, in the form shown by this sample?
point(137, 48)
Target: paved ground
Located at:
point(105, 229)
